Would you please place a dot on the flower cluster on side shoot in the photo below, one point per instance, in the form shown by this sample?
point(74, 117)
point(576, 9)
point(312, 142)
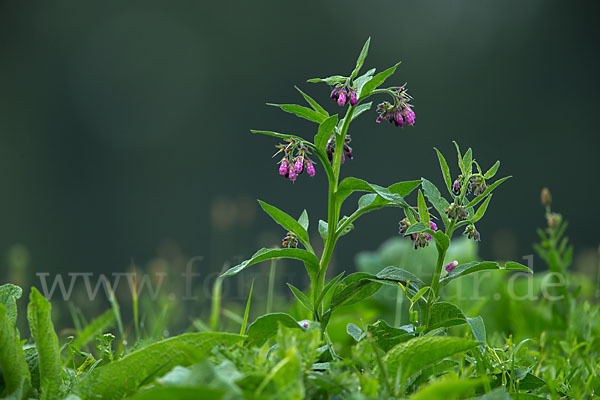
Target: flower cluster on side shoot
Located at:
point(331, 147)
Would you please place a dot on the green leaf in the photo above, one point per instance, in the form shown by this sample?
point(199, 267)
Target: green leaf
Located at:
point(287, 223)
point(302, 112)
point(9, 294)
point(351, 184)
point(487, 191)
point(316, 106)
point(46, 342)
point(481, 210)
point(437, 201)
point(354, 288)
point(448, 389)
point(444, 315)
point(404, 188)
point(123, 377)
point(412, 356)
point(374, 83)
point(354, 331)
point(419, 294)
point(364, 78)
point(266, 326)
point(12, 360)
point(386, 336)
point(347, 229)
point(442, 240)
point(492, 171)
point(310, 260)
point(361, 109)
point(395, 275)
point(332, 80)
point(423, 212)
point(302, 298)
point(445, 170)
point(324, 132)
point(94, 329)
point(330, 285)
point(460, 161)
point(476, 266)
point(416, 228)
point(179, 393)
point(361, 58)
point(323, 229)
point(478, 328)
point(303, 220)
point(247, 311)
point(468, 161)
point(277, 135)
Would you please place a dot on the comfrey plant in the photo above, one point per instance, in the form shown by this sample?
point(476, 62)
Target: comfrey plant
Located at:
point(470, 194)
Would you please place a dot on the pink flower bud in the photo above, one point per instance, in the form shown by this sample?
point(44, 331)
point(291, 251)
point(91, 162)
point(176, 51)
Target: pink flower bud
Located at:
point(341, 100)
point(283, 167)
point(433, 226)
point(299, 164)
point(450, 267)
point(353, 99)
point(310, 168)
point(292, 175)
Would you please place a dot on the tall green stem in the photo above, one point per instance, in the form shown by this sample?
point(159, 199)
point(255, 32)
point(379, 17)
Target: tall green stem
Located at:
point(333, 209)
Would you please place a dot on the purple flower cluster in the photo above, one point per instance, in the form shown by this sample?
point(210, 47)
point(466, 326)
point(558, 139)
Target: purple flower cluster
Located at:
point(291, 166)
point(344, 93)
point(419, 239)
point(330, 149)
point(456, 211)
point(477, 184)
point(472, 233)
point(400, 112)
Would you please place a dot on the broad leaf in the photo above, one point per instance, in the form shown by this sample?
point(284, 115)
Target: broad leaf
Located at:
point(404, 188)
point(377, 80)
point(478, 328)
point(492, 171)
point(395, 275)
point(487, 191)
point(303, 220)
point(123, 377)
point(302, 112)
point(459, 155)
point(354, 288)
point(361, 80)
point(445, 170)
point(46, 342)
point(386, 336)
point(361, 109)
point(14, 368)
point(351, 184)
point(323, 229)
point(361, 58)
point(287, 223)
point(266, 326)
point(332, 80)
point(330, 285)
point(437, 201)
point(449, 389)
point(444, 315)
point(423, 212)
point(316, 106)
point(412, 356)
point(310, 260)
point(481, 210)
point(468, 161)
point(324, 132)
point(476, 266)
point(179, 393)
point(417, 228)
point(302, 298)
point(9, 294)
point(354, 331)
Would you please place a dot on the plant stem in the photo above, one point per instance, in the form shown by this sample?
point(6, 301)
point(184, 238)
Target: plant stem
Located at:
point(333, 209)
point(271, 287)
point(435, 283)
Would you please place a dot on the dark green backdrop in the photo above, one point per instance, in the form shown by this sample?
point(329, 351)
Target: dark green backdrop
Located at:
point(124, 127)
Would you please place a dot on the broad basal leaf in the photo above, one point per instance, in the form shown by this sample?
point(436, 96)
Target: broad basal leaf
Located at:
point(310, 260)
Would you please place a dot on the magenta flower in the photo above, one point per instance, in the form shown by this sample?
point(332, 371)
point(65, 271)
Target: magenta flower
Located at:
point(353, 98)
point(299, 164)
point(292, 175)
point(283, 167)
point(310, 169)
point(450, 267)
point(341, 100)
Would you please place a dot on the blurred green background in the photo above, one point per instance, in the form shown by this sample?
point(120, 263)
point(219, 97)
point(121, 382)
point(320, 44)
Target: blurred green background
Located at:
point(124, 127)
